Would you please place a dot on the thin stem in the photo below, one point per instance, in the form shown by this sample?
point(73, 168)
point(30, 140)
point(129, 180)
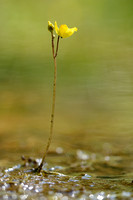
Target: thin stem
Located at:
point(57, 46)
point(52, 43)
point(53, 103)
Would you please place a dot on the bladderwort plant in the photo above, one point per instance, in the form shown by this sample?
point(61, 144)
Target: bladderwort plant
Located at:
point(63, 32)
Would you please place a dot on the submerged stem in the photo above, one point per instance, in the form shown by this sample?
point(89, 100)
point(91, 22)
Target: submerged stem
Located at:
point(53, 103)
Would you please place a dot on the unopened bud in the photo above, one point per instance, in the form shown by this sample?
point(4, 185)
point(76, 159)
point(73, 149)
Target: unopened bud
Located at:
point(50, 27)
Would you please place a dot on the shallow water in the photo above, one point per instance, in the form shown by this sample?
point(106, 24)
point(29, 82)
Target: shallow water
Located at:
point(79, 175)
point(99, 167)
point(91, 155)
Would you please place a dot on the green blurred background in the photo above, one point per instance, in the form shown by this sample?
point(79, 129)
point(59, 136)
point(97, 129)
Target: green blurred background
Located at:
point(95, 76)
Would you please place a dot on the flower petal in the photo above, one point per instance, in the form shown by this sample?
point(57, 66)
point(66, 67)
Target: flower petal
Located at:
point(56, 28)
point(70, 31)
point(63, 30)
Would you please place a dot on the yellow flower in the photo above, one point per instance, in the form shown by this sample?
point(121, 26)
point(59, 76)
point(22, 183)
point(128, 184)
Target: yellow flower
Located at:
point(64, 31)
point(50, 26)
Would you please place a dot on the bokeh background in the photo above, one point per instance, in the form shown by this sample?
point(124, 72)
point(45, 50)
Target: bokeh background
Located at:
point(94, 105)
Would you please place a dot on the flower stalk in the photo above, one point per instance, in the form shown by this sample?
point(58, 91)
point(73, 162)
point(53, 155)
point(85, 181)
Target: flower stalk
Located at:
point(53, 101)
point(62, 32)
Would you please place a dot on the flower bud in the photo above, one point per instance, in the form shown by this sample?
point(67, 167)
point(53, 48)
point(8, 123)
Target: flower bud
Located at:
point(50, 27)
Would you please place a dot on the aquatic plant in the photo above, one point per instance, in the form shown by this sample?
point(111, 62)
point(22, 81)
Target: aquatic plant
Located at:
point(63, 32)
